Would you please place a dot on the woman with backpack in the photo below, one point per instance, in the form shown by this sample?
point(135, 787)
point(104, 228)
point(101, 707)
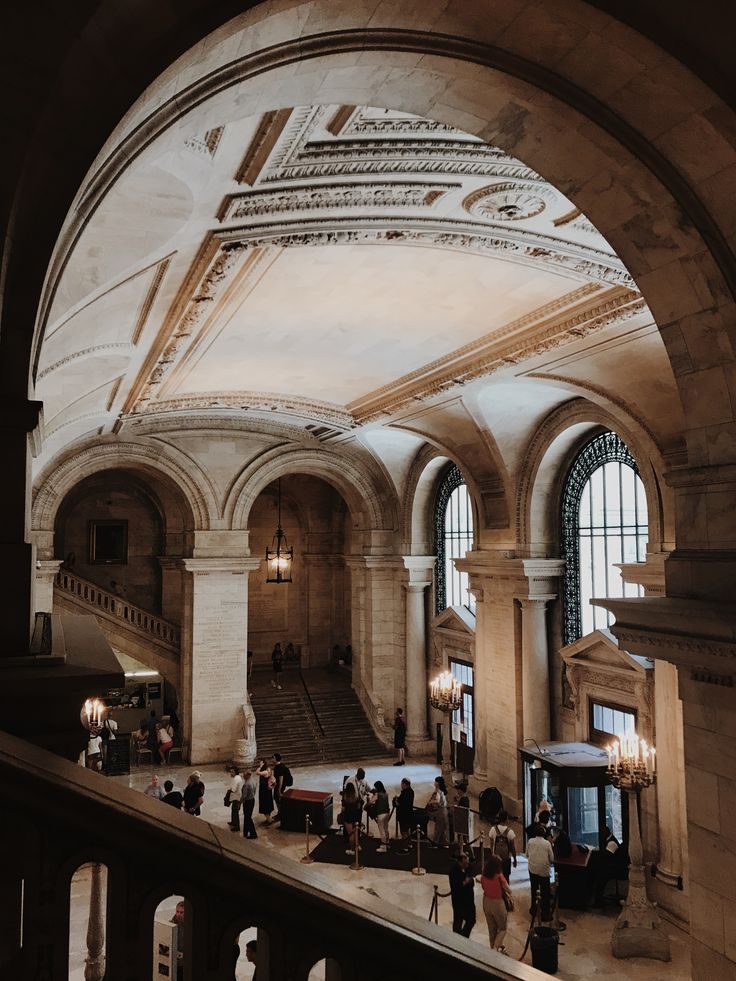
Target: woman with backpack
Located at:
point(502, 843)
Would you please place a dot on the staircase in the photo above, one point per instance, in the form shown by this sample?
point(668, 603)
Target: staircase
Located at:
point(128, 627)
point(317, 720)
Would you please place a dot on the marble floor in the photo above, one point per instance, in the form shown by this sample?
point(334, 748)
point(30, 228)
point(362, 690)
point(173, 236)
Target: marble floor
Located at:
point(583, 955)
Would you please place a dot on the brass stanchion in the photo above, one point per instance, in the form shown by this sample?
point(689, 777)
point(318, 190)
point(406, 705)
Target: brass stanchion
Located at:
point(307, 859)
point(418, 870)
point(436, 904)
point(356, 866)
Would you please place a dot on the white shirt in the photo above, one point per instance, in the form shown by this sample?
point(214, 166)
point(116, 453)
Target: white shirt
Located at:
point(236, 787)
point(94, 745)
point(112, 727)
point(540, 855)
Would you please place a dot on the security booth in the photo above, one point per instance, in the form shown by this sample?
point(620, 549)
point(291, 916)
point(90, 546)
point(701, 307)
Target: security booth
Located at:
point(573, 779)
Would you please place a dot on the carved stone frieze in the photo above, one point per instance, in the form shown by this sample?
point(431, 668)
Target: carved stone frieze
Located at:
point(362, 125)
point(260, 402)
point(334, 196)
point(508, 201)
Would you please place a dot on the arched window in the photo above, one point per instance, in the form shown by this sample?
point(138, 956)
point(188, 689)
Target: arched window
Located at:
point(454, 536)
point(604, 522)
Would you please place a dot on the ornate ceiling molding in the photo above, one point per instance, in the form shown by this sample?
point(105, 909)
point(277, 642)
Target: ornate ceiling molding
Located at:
point(320, 197)
point(329, 412)
point(508, 201)
point(84, 353)
point(362, 125)
point(205, 145)
point(482, 359)
point(266, 137)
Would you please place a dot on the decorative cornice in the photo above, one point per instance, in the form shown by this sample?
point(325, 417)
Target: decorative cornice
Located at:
point(258, 401)
point(362, 125)
point(489, 354)
point(318, 197)
point(261, 146)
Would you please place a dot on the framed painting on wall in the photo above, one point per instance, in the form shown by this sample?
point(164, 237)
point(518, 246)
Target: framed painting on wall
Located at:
point(108, 542)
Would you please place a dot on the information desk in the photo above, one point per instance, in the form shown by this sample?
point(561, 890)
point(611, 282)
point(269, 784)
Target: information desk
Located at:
point(295, 805)
point(574, 879)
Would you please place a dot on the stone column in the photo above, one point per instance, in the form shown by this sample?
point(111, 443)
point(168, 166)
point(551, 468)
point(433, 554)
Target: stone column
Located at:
point(420, 569)
point(214, 646)
point(94, 962)
point(535, 670)
point(46, 572)
point(172, 598)
point(670, 887)
point(542, 576)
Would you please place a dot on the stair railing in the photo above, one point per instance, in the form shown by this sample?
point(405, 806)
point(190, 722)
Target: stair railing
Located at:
point(314, 720)
point(116, 607)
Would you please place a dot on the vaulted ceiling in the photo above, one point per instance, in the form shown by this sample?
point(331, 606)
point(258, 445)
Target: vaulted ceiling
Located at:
point(337, 268)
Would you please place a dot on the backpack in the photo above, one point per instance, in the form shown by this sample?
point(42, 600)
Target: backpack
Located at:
point(288, 779)
point(501, 845)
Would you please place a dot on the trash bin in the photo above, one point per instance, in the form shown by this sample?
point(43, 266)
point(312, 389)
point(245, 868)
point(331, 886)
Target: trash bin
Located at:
point(543, 943)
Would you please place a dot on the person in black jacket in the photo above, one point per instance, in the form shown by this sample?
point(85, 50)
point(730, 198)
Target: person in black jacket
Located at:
point(461, 893)
point(404, 805)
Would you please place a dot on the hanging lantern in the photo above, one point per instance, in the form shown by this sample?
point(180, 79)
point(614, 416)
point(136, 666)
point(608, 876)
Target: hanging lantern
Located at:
point(279, 556)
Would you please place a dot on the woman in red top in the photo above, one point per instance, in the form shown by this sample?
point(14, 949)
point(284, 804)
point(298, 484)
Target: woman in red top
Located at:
point(495, 887)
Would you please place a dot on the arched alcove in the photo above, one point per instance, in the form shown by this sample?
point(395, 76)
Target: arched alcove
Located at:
point(313, 611)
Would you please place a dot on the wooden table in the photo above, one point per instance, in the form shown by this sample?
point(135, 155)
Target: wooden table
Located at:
point(295, 805)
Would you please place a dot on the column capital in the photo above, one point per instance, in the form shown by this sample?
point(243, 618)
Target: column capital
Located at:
point(374, 562)
point(170, 561)
point(416, 587)
point(48, 567)
point(534, 602)
point(542, 576)
point(420, 569)
point(221, 564)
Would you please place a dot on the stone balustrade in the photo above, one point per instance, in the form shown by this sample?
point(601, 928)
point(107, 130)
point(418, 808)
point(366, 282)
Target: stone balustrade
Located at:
point(108, 604)
point(57, 817)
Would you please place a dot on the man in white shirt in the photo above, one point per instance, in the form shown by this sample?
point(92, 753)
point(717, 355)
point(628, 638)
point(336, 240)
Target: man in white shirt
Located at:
point(234, 794)
point(540, 855)
point(94, 751)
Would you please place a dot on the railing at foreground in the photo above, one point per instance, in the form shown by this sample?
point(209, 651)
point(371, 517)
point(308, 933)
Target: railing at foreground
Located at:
point(117, 607)
point(57, 816)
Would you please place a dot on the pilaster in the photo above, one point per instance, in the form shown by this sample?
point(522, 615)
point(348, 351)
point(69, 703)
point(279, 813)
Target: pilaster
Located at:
point(214, 646)
point(420, 569)
point(699, 638)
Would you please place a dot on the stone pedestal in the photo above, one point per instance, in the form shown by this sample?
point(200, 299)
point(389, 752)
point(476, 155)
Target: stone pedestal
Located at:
point(46, 572)
point(214, 645)
point(638, 931)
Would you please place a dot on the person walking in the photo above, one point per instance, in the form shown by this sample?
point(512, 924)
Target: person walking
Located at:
point(233, 797)
point(248, 798)
point(503, 843)
point(496, 896)
point(540, 856)
point(404, 805)
point(266, 783)
point(462, 896)
point(399, 737)
point(277, 663)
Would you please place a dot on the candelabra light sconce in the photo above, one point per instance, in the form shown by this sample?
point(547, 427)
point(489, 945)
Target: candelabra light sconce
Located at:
point(92, 714)
point(446, 695)
point(280, 556)
point(632, 767)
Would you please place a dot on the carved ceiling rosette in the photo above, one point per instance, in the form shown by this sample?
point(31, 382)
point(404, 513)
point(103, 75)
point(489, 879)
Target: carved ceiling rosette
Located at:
point(508, 201)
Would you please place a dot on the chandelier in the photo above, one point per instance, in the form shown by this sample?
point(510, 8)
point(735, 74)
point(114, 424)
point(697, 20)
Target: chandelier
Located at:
point(445, 692)
point(280, 555)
